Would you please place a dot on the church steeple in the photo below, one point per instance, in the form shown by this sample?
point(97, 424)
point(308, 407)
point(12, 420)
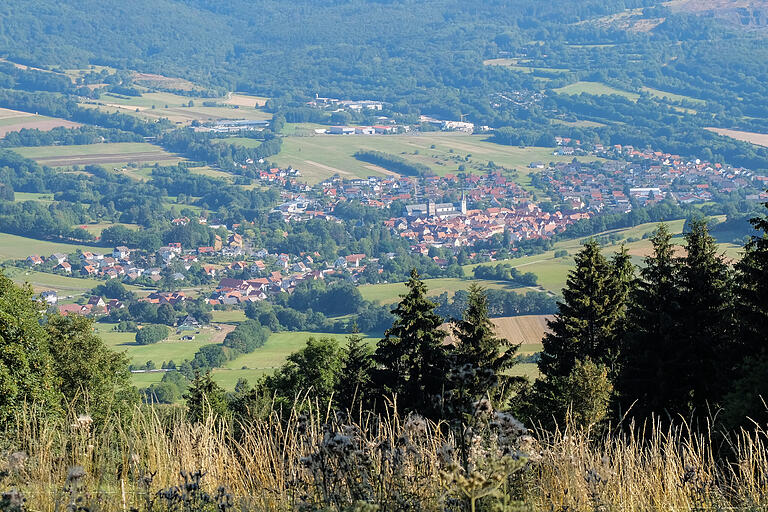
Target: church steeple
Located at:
point(463, 203)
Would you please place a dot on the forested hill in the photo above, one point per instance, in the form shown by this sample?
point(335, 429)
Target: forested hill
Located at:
point(273, 44)
point(631, 72)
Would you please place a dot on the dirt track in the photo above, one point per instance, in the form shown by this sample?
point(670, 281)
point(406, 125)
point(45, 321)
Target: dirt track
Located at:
point(220, 335)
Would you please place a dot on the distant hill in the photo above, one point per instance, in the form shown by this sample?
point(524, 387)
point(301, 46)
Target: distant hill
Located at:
point(752, 14)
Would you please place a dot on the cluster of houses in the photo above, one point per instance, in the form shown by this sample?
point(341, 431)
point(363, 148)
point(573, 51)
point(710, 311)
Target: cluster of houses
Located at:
point(94, 264)
point(642, 177)
point(337, 104)
point(234, 291)
point(445, 225)
point(378, 129)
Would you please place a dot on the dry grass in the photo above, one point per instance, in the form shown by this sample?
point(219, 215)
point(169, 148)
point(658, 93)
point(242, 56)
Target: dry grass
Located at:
point(317, 460)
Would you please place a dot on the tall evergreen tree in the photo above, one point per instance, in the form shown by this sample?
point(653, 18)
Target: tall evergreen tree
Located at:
point(411, 357)
point(354, 384)
point(752, 279)
point(706, 342)
point(585, 334)
point(649, 367)
point(745, 402)
point(205, 398)
point(587, 319)
point(479, 359)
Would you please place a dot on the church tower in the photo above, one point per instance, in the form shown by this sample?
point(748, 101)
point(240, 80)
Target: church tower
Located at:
point(463, 203)
point(431, 208)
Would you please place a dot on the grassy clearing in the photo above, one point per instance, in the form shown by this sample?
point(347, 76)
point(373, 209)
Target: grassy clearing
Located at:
point(228, 317)
point(96, 228)
point(277, 348)
point(670, 96)
point(210, 172)
point(43, 281)
point(33, 196)
point(15, 120)
point(13, 247)
point(552, 272)
point(172, 348)
point(596, 89)
point(319, 157)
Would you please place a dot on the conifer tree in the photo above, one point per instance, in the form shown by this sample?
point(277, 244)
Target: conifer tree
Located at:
point(752, 279)
point(647, 366)
point(704, 349)
point(479, 359)
point(587, 319)
point(205, 398)
point(354, 383)
point(411, 357)
point(745, 402)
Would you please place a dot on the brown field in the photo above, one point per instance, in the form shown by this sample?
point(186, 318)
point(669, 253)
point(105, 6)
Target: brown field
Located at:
point(151, 80)
point(244, 100)
point(759, 139)
point(526, 330)
point(15, 120)
point(61, 161)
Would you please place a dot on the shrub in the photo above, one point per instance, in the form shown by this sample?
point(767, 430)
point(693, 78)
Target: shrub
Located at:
point(152, 334)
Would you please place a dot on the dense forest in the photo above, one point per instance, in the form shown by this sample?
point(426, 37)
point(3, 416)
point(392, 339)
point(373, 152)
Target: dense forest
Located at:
point(713, 73)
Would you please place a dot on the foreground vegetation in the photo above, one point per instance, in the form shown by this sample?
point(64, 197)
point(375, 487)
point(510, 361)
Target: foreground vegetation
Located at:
point(307, 459)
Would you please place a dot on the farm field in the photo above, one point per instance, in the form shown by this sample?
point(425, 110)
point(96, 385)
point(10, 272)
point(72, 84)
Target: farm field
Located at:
point(321, 156)
point(552, 272)
point(176, 108)
point(13, 247)
point(15, 120)
point(389, 293)
point(759, 139)
point(525, 331)
point(595, 88)
point(111, 153)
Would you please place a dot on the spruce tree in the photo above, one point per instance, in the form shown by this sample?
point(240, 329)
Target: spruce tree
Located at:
point(587, 319)
point(205, 398)
point(354, 383)
point(479, 359)
point(411, 357)
point(705, 347)
point(752, 279)
point(648, 369)
point(745, 402)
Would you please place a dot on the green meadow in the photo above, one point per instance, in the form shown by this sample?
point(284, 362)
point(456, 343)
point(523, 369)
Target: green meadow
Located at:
point(321, 156)
point(14, 247)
